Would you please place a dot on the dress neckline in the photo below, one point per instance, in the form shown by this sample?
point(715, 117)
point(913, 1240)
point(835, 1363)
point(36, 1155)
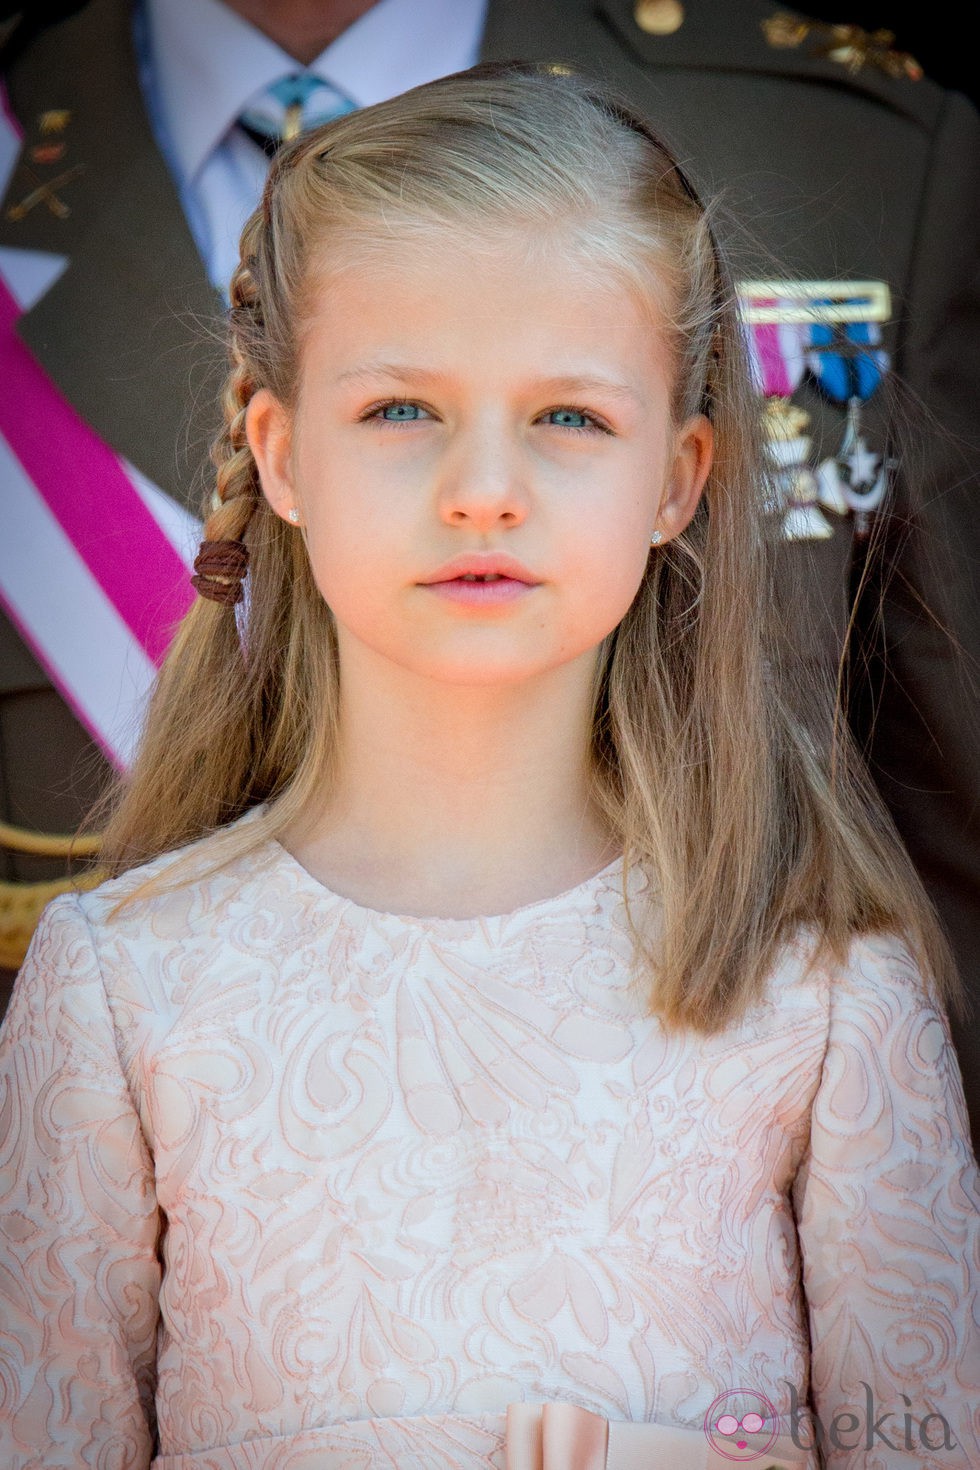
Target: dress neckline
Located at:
point(568, 898)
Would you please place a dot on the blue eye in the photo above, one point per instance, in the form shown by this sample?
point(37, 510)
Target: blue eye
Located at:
point(561, 418)
point(402, 411)
point(566, 419)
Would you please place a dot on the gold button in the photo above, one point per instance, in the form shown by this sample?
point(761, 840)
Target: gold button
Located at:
point(659, 17)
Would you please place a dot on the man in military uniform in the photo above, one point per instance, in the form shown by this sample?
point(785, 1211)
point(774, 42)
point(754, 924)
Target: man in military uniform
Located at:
point(843, 162)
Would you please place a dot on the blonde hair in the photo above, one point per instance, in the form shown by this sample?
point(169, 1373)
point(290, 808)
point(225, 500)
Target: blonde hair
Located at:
point(720, 762)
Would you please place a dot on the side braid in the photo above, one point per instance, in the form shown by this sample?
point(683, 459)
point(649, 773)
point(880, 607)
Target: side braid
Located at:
point(223, 558)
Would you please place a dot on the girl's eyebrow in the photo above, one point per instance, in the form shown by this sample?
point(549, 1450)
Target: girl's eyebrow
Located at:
point(568, 383)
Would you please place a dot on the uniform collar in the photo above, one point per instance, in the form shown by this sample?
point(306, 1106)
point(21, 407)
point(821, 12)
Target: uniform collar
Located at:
point(208, 62)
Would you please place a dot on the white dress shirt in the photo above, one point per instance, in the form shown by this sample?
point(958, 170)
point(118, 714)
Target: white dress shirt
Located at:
point(202, 64)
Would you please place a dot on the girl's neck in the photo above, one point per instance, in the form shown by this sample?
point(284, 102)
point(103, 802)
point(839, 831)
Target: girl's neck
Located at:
point(457, 800)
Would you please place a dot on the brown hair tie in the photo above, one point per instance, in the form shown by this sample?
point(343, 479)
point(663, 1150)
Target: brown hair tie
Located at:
point(220, 567)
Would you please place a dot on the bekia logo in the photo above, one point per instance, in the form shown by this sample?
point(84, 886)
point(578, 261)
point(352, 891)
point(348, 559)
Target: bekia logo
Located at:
point(741, 1425)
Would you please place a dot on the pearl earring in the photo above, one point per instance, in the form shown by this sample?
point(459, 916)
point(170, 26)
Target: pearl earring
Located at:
point(656, 538)
point(293, 514)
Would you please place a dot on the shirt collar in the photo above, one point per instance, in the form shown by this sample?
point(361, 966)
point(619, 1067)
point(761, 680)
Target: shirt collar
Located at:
point(208, 62)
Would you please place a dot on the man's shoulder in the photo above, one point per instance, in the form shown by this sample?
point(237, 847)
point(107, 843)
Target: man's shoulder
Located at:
point(73, 90)
point(759, 38)
point(86, 55)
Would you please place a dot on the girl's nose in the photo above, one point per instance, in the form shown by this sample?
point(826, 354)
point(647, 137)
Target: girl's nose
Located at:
point(483, 475)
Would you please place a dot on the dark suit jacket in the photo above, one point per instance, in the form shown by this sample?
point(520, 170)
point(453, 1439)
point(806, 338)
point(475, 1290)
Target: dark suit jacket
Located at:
point(835, 175)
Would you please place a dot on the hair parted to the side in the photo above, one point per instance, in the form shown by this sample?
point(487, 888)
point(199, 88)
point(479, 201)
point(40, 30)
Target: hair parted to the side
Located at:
point(718, 761)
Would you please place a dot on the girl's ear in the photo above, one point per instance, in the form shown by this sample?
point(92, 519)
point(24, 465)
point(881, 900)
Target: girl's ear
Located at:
point(693, 454)
point(267, 429)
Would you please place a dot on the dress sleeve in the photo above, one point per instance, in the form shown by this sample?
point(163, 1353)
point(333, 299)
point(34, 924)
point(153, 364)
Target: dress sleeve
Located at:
point(79, 1224)
point(887, 1202)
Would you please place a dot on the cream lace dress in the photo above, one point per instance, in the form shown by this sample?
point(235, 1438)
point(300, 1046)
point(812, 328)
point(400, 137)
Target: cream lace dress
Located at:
point(287, 1183)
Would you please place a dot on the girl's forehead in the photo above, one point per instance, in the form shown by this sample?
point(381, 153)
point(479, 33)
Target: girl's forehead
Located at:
point(448, 273)
point(495, 320)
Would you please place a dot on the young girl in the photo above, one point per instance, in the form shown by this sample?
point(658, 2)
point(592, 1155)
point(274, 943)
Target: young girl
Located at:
point(513, 1036)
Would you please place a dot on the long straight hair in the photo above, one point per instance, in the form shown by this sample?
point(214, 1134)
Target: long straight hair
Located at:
point(718, 758)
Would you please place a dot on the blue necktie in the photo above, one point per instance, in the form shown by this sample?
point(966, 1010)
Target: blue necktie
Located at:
point(291, 106)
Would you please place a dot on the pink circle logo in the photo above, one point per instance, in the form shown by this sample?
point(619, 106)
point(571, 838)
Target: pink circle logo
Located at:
point(741, 1425)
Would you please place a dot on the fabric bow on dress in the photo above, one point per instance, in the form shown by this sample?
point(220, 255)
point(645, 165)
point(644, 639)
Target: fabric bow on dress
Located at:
point(560, 1436)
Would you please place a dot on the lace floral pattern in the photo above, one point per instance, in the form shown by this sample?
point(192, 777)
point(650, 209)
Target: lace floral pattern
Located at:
point(285, 1181)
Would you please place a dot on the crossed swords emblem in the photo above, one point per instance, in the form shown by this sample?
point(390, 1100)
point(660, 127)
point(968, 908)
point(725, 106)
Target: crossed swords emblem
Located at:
point(45, 191)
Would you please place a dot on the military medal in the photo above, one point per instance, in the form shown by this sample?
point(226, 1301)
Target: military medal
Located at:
point(848, 365)
point(862, 474)
point(797, 487)
point(828, 332)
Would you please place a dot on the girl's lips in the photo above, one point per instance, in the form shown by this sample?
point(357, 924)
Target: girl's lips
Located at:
point(481, 594)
